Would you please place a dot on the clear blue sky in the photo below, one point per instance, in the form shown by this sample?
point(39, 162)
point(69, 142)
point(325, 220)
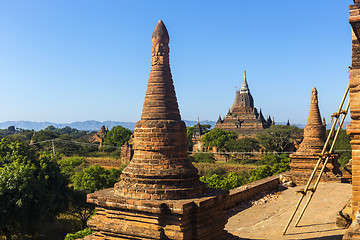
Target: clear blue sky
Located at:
point(66, 61)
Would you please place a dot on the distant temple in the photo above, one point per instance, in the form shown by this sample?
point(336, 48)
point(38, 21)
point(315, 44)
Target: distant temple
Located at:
point(243, 117)
point(99, 136)
point(196, 138)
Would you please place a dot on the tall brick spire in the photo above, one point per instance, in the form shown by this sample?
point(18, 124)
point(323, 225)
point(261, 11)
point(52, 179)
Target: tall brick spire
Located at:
point(314, 117)
point(160, 99)
point(314, 131)
point(160, 168)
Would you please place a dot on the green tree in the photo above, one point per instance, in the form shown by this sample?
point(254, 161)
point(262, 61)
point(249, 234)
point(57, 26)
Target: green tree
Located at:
point(32, 189)
point(278, 138)
point(95, 178)
point(343, 147)
point(44, 135)
point(70, 166)
point(11, 128)
point(218, 138)
point(243, 145)
point(117, 136)
point(79, 208)
point(205, 128)
point(189, 134)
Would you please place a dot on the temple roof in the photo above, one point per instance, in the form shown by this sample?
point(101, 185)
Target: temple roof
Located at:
point(244, 86)
point(243, 98)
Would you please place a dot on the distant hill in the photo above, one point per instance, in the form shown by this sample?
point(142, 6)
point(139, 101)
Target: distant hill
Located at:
point(90, 125)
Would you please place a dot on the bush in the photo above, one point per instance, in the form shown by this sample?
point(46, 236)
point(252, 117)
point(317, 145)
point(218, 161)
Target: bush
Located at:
point(203, 157)
point(276, 164)
point(79, 234)
point(232, 181)
point(207, 170)
point(95, 178)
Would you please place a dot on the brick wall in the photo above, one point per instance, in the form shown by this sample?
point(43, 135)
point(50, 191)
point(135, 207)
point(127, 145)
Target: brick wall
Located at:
point(248, 191)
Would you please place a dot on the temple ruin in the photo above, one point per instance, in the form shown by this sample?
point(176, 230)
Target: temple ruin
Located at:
point(243, 117)
point(305, 158)
point(159, 195)
point(99, 137)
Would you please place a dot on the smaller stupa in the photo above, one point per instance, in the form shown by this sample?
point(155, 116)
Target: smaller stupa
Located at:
point(305, 158)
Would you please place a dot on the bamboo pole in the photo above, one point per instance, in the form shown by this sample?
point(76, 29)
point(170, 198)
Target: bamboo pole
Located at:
point(304, 192)
point(324, 165)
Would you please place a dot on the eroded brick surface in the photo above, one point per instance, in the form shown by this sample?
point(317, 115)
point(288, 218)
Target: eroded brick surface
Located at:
point(159, 195)
point(305, 158)
point(354, 128)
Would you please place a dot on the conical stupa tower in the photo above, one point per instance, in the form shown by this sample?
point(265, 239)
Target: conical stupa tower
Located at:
point(314, 131)
point(160, 168)
point(305, 158)
point(159, 195)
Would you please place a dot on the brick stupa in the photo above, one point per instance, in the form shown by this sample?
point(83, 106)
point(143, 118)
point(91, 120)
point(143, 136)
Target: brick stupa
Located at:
point(305, 158)
point(159, 195)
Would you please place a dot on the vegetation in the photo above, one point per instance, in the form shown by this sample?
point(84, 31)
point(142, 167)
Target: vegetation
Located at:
point(202, 157)
point(209, 169)
point(94, 178)
point(245, 144)
point(279, 138)
point(190, 132)
point(12, 132)
point(277, 164)
point(218, 138)
point(71, 165)
point(32, 189)
point(343, 147)
point(79, 234)
point(233, 180)
point(68, 141)
point(117, 136)
point(35, 186)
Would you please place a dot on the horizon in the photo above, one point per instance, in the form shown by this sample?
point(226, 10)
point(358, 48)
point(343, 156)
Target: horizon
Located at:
point(68, 61)
point(94, 125)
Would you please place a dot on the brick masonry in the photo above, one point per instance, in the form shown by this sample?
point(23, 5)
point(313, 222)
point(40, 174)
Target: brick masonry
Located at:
point(354, 128)
point(159, 195)
point(305, 158)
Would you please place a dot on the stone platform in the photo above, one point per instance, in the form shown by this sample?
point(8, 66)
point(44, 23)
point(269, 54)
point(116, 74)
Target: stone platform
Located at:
point(268, 221)
point(123, 218)
point(302, 166)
